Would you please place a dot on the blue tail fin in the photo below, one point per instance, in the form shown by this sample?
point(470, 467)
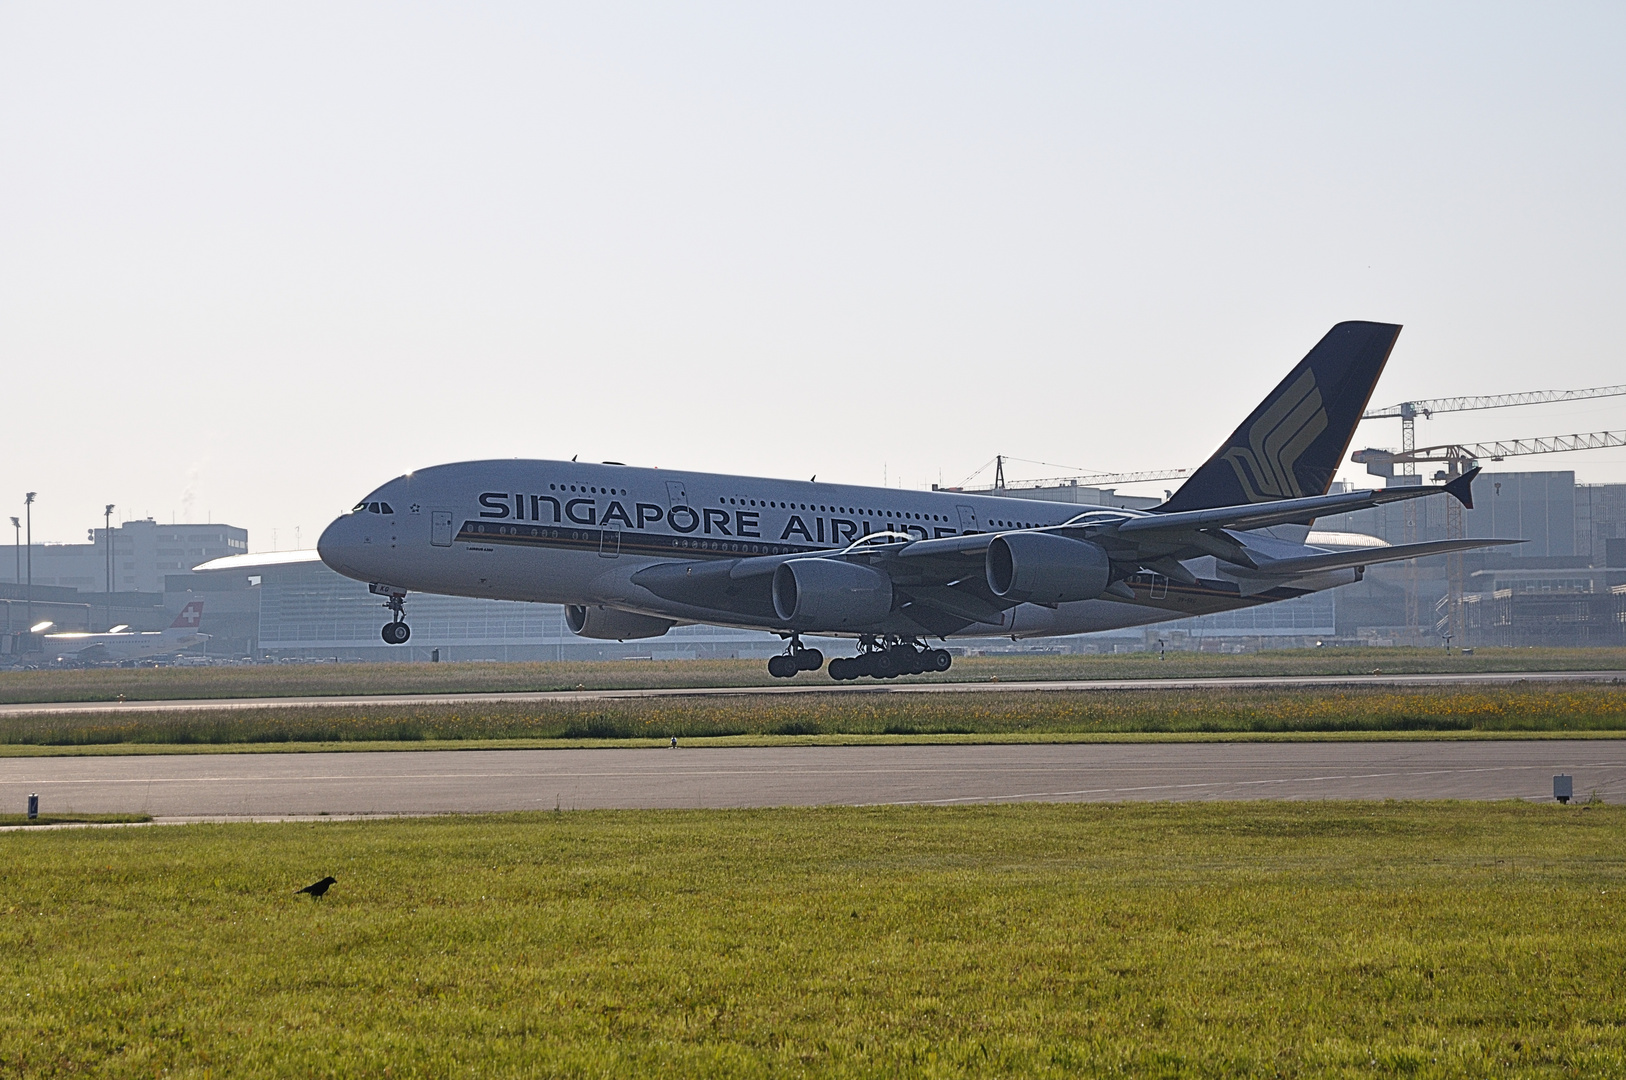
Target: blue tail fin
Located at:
point(1293, 442)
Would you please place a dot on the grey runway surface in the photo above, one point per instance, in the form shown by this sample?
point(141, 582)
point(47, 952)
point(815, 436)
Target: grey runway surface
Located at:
point(821, 686)
point(268, 785)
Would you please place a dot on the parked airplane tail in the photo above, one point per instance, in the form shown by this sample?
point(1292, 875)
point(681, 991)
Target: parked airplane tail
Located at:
point(190, 618)
point(1293, 442)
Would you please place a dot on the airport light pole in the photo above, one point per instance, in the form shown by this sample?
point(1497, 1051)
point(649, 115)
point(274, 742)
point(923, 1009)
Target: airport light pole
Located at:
point(28, 510)
point(107, 530)
point(17, 552)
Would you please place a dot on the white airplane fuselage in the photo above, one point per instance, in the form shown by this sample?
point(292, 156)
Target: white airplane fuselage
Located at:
point(129, 645)
point(579, 534)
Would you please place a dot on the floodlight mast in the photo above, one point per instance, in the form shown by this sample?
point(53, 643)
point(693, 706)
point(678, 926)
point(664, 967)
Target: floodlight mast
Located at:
point(28, 510)
point(107, 532)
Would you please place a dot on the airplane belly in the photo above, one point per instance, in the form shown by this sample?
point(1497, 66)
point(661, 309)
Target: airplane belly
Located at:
point(1078, 617)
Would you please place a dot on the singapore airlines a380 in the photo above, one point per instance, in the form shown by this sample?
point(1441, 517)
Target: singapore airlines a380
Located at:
point(632, 552)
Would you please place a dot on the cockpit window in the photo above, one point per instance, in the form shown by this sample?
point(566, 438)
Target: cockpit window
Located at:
point(372, 508)
point(386, 507)
point(358, 508)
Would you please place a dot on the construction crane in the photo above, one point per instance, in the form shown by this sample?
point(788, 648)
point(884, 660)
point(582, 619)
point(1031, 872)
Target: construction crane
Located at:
point(1076, 479)
point(1458, 458)
point(1409, 411)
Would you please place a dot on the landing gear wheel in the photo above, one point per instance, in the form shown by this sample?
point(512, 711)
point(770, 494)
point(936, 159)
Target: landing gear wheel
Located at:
point(396, 631)
point(808, 659)
point(782, 666)
point(906, 659)
point(888, 658)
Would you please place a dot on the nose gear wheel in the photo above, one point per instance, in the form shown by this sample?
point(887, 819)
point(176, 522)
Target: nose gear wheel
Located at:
point(396, 631)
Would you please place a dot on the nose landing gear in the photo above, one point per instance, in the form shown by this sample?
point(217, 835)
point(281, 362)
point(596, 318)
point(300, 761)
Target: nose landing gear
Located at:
point(787, 664)
point(396, 631)
point(890, 658)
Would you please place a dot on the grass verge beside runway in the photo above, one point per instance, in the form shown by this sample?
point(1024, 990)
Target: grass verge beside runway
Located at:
point(164, 684)
point(1532, 707)
point(1206, 939)
point(12, 820)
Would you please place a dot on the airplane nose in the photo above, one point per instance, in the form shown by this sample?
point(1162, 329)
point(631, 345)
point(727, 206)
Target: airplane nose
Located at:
point(339, 545)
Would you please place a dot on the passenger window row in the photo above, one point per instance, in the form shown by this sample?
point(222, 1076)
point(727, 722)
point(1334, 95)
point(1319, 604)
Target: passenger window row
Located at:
point(584, 489)
point(822, 509)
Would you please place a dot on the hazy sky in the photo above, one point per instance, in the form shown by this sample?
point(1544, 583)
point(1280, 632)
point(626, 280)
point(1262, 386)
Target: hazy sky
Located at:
point(255, 259)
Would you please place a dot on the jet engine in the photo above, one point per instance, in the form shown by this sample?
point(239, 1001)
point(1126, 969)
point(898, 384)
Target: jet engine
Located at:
point(830, 594)
point(611, 624)
point(1044, 568)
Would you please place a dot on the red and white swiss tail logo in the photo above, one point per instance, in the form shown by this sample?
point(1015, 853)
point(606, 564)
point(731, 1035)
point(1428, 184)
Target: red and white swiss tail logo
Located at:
point(190, 618)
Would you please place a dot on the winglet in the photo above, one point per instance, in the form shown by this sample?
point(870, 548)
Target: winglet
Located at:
point(1462, 488)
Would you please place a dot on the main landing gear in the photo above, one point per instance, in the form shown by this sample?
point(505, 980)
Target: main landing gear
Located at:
point(889, 658)
point(396, 631)
point(787, 664)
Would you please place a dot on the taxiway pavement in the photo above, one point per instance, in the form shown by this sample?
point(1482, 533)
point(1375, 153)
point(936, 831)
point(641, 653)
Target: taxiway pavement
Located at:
point(375, 782)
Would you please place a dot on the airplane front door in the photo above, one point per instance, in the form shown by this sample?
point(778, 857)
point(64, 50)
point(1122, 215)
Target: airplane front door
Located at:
point(968, 519)
point(440, 528)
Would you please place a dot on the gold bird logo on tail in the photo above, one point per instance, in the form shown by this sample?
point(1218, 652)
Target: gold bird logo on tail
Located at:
point(1264, 467)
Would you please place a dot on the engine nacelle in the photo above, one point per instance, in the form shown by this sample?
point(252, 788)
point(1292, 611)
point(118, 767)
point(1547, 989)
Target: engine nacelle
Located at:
point(830, 594)
point(613, 625)
point(1044, 568)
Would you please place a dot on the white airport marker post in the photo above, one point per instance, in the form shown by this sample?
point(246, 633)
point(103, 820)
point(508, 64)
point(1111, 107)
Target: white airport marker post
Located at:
point(33, 805)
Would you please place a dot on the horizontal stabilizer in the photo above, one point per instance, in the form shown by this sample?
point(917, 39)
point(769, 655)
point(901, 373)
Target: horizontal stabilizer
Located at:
point(1462, 488)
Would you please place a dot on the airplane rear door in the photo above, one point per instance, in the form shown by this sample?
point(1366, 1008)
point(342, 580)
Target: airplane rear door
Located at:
point(440, 528)
point(676, 494)
point(968, 519)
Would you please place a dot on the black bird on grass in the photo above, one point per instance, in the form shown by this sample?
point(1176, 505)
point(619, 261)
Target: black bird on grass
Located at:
point(318, 888)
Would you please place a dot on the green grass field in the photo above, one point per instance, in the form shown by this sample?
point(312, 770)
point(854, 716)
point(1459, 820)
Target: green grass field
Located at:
point(158, 684)
point(1223, 940)
point(1517, 708)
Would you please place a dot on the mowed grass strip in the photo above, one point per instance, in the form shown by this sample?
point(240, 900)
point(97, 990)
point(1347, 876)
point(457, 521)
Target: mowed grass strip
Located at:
point(13, 820)
point(1154, 940)
point(163, 684)
point(1523, 707)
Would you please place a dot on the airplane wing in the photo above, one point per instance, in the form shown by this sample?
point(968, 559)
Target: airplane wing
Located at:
point(943, 583)
point(1299, 511)
point(1342, 560)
